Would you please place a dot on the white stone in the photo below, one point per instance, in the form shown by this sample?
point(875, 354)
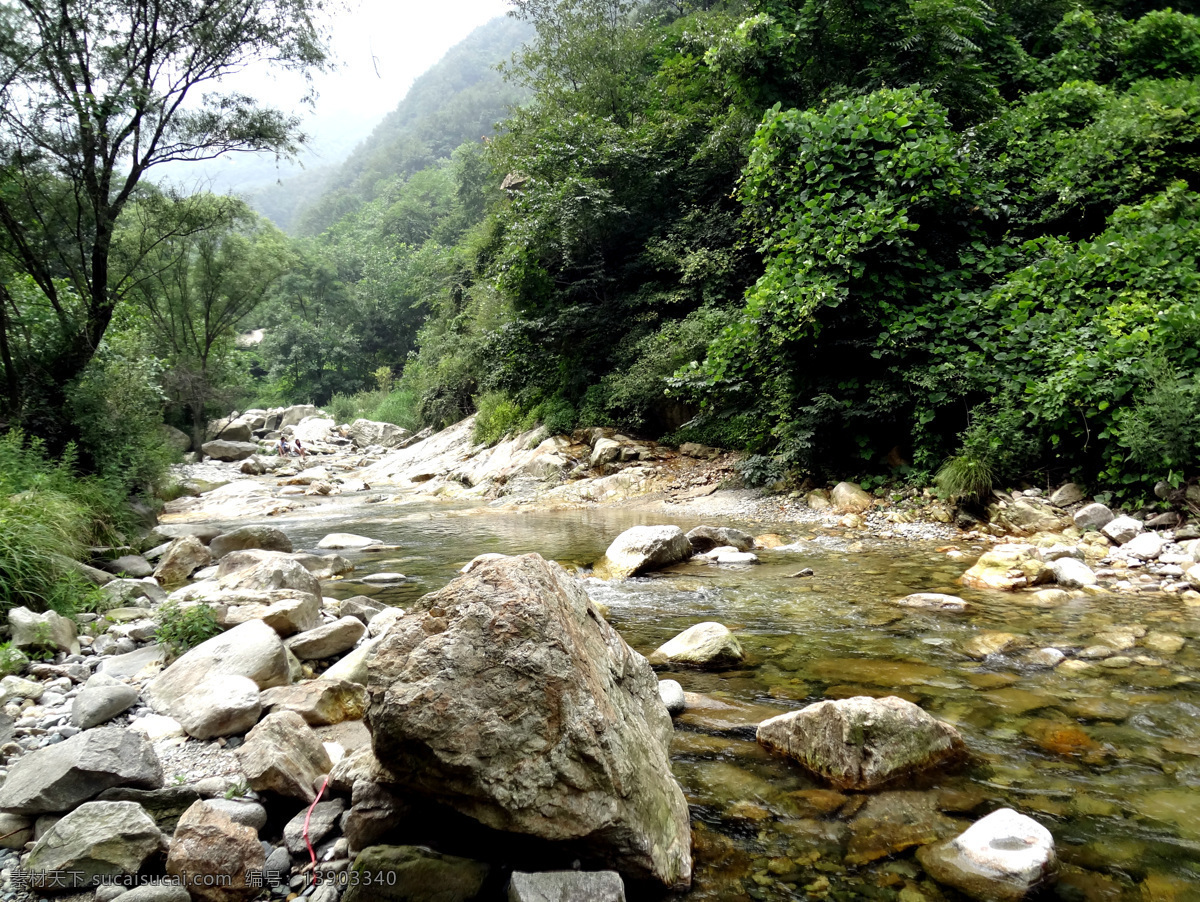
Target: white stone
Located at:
point(1006, 849)
point(1122, 529)
point(672, 696)
point(346, 540)
point(1146, 546)
point(1072, 574)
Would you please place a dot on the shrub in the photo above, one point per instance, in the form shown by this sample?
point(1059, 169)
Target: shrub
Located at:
point(965, 478)
point(1161, 429)
point(183, 629)
point(398, 407)
point(48, 516)
point(12, 660)
point(759, 470)
point(496, 417)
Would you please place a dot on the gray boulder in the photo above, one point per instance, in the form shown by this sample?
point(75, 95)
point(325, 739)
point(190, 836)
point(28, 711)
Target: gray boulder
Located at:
point(182, 558)
point(705, 645)
point(1066, 495)
point(1122, 529)
point(706, 538)
point(1071, 573)
point(508, 697)
point(221, 704)
point(98, 702)
point(97, 842)
point(1146, 546)
point(566, 886)
point(130, 592)
point(228, 450)
point(242, 811)
point(1005, 857)
point(322, 822)
point(252, 650)
point(850, 497)
point(267, 538)
point(228, 430)
point(48, 631)
point(284, 756)
point(642, 549)
point(292, 416)
point(1093, 516)
point(365, 433)
point(362, 607)
point(260, 570)
point(175, 438)
point(327, 641)
point(131, 565)
point(374, 813)
point(861, 743)
point(169, 531)
point(62, 776)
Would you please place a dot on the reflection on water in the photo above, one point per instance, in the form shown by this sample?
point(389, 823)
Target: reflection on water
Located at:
point(1107, 756)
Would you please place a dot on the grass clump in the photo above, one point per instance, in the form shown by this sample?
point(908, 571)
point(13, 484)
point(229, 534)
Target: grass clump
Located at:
point(181, 629)
point(49, 516)
point(496, 416)
point(966, 478)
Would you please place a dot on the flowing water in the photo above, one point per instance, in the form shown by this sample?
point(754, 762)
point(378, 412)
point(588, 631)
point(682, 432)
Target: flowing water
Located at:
point(1107, 758)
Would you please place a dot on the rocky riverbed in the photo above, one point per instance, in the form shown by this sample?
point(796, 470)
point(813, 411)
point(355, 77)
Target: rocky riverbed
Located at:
point(1070, 693)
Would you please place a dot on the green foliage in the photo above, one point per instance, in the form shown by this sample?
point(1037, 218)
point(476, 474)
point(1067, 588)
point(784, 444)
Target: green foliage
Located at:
point(496, 416)
point(1161, 429)
point(180, 629)
point(966, 478)
point(49, 515)
point(556, 415)
point(12, 660)
point(759, 470)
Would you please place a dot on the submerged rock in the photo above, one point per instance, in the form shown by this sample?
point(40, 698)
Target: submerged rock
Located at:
point(414, 873)
point(1004, 857)
point(566, 886)
point(508, 697)
point(703, 645)
point(1007, 567)
point(642, 549)
point(934, 601)
point(862, 742)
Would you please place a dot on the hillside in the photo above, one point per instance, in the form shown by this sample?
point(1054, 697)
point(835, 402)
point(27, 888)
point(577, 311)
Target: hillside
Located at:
point(459, 99)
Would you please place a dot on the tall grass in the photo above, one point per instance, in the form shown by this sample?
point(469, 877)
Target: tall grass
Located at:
point(398, 407)
point(49, 516)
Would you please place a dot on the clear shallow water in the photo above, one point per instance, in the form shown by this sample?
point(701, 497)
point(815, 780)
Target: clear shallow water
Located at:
point(1107, 759)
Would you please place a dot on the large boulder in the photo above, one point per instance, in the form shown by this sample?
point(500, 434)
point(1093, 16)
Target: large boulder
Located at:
point(267, 538)
point(313, 429)
point(1008, 567)
point(508, 697)
point(861, 743)
point(62, 776)
point(1005, 857)
point(229, 429)
point(365, 433)
point(252, 650)
point(131, 565)
point(229, 451)
point(412, 873)
point(45, 632)
point(706, 645)
point(1122, 529)
point(706, 538)
point(327, 641)
point(183, 557)
point(847, 496)
point(97, 842)
point(1072, 574)
point(208, 843)
point(642, 549)
point(258, 570)
point(1093, 516)
point(175, 438)
point(292, 416)
point(219, 705)
point(284, 756)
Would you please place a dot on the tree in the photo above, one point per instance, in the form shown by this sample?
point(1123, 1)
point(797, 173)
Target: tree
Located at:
point(198, 266)
point(93, 95)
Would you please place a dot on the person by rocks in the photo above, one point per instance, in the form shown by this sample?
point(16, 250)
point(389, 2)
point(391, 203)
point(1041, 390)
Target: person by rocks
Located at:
point(284, 450)
point(299, 448)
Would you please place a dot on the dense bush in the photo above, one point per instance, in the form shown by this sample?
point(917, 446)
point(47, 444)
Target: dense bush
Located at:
point(49, 515)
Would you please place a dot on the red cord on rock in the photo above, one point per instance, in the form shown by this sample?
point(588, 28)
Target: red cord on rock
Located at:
point(307, 841)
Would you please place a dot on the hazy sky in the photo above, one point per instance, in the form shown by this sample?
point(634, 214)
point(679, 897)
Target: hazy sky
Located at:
point(380, 46)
